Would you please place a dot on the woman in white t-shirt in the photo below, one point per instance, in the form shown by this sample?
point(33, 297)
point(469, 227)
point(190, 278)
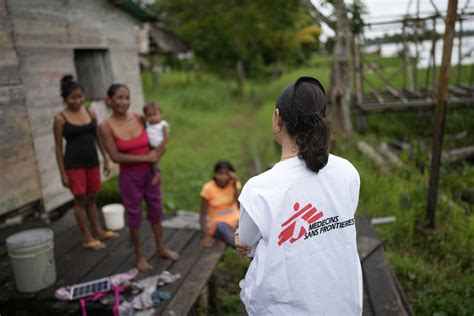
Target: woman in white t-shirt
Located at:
point(297, 219)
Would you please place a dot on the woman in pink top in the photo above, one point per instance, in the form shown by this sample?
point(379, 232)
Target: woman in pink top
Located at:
point(126, 141)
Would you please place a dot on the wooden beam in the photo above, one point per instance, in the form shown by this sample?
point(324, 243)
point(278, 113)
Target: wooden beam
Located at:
point(374, 92)
point(405, 55)
point(458, 154)
point(417, 48)
point(200, 272)
point(440, 113)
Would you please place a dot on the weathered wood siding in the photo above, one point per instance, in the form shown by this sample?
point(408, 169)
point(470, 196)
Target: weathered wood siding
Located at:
point(46, 34)
point(19, 183)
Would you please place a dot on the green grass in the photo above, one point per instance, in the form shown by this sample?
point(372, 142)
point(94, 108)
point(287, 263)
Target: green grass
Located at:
point(208, 123)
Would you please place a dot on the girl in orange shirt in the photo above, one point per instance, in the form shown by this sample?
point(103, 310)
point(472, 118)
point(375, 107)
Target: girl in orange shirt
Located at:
point(219, 206)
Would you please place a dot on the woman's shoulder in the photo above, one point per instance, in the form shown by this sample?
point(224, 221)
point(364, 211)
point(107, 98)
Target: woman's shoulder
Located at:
point(139, 118)
point(342, 165)
point(262, 180)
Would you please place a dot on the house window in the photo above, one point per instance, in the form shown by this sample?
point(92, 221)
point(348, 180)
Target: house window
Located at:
point(93, 71)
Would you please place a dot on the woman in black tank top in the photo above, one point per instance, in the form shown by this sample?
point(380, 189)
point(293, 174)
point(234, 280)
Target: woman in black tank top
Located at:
point(79, 164)
point(80, 144)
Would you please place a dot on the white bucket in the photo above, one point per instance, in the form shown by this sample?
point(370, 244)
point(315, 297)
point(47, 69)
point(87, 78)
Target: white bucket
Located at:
point(32, 257)
point(114, 216)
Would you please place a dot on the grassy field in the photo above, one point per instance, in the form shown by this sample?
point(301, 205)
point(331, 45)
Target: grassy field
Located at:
point(208, 123)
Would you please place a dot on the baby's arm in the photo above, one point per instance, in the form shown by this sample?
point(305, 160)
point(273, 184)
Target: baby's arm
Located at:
point(166, 133)
point(154, 172)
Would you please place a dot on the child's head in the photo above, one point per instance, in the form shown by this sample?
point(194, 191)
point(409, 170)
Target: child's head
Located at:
point(222, 171)
point(153, 112)
point(72, 92)
point(118, 98)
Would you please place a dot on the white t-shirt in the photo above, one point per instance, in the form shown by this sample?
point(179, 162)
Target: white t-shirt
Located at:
point(155, 133)
point(306, 262)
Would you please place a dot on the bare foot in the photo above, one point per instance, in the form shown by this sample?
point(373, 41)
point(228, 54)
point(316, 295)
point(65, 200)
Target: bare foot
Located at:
point(143, 265)
point(168, 254)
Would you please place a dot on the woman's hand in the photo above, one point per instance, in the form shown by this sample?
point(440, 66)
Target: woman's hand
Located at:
point(152, 157)
point(207, 241)
point(233, 176)
point(243, 249)
point(161, 149)
point(65, 181)
point(106, 167)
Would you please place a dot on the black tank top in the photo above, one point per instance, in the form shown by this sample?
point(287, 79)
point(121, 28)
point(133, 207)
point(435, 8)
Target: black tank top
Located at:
point(80, 144)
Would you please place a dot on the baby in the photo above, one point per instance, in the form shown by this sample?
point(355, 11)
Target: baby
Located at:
point(157, 129)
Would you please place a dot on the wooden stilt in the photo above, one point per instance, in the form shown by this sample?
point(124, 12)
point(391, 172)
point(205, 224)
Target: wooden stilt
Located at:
point(440, 113)
point(405, 55)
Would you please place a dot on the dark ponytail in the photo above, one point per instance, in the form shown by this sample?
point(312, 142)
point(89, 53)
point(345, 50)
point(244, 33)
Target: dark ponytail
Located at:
point(114, 88)
point(68, 85)
point(302, 107)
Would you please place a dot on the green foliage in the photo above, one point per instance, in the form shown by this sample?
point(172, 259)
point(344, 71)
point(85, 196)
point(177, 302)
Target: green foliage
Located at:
point(223, 32)
point(229, 272)
point(358, 11)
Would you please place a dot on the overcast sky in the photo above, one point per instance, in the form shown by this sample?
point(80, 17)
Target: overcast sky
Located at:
point(379, 10)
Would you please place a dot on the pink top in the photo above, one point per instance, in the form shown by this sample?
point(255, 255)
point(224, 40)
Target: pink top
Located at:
point(135, 146)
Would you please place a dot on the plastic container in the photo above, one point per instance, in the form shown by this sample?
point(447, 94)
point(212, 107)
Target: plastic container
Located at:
point(32, 258)
point(114, 216)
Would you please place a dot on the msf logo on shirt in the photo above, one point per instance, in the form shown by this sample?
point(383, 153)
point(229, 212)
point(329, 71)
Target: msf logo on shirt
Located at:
point(295, 227)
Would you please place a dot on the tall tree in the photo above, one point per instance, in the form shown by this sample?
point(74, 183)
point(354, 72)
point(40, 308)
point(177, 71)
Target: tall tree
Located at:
point(340, 94)
point(230, 36)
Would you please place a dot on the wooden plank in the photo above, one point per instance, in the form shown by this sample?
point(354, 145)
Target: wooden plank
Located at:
point(189, 257)
point(180, 239)
point(19, 183)
point(184, 299)
point(381, 287)
point(148, 246)
point(366, 246)
point(177, 240)
point(367, 309)
point(84, 260)
point(457, 91)
point(114, 261)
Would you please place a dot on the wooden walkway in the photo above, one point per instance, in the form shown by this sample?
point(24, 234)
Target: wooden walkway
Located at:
point(382, 293)
point(75, 265)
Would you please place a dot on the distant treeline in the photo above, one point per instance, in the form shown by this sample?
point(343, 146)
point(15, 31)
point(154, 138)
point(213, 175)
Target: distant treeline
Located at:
point(422, 36)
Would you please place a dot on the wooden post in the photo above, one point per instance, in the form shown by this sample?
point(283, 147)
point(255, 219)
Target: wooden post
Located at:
point(358, 84)
point(405, 55)
point(440, 112)
point(431, 71)
point(417, 53)
point(434, 38)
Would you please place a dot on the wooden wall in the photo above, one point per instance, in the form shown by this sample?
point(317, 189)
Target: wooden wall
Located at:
point(19, 183)
point(46, 34)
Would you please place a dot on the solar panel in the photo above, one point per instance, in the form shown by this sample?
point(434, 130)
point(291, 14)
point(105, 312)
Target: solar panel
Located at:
point(89, 288)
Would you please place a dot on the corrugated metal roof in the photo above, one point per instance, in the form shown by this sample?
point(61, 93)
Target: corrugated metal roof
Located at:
point(135, 10)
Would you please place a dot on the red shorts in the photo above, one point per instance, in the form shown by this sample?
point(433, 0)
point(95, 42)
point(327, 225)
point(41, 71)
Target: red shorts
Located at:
point(84, 180)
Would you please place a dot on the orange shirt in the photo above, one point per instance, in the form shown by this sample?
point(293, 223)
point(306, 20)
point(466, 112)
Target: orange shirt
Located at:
point(222, 204)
